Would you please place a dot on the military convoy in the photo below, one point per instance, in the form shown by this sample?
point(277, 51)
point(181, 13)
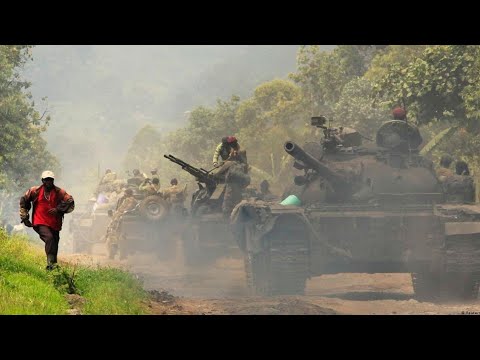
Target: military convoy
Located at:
point(372, 209)
point(376, 209)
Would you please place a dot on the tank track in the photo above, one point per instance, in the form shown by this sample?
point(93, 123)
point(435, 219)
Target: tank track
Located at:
point(445, 287)
point(289, 268)
point(281, 269)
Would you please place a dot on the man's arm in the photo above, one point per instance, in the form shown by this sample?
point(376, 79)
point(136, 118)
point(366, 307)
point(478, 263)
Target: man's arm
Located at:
point(216, 155)
point(66, 204)
point(25, 206)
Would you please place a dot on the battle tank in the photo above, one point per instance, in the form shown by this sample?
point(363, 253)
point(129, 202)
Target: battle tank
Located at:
point(207, 234)
point(377, 209)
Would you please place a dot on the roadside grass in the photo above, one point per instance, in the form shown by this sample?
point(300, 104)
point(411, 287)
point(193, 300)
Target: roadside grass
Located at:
point(27, 288)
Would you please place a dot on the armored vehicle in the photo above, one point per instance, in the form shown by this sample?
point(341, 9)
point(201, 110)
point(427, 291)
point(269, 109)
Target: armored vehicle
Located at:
point(88, 225)
point(207, 235)
point(376, 209)
point(151, 227)
point(80, 228)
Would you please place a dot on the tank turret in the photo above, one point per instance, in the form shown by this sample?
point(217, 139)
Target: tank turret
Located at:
point(340, 173)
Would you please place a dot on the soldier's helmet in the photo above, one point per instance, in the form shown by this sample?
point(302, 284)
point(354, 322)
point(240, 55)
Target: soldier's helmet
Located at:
point(174, 181)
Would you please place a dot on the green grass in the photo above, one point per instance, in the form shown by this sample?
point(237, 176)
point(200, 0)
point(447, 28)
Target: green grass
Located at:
point(27, 288)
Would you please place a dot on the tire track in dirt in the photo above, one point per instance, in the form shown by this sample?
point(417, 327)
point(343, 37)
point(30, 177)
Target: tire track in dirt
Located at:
point(220, 289)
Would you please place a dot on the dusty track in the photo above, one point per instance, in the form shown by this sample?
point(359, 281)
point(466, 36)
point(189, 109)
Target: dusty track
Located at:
point(220, 289)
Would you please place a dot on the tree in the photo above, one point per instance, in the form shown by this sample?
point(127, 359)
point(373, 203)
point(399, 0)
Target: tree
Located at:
point(23, 151)
point(273, 115)
point(438, 85)
point(356, 109)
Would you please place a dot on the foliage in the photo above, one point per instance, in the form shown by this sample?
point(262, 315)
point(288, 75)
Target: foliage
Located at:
point(356, 109)
point(437, 140)
point(26, 288)
point(435, 85)
point(23, 151)
point(353, 85)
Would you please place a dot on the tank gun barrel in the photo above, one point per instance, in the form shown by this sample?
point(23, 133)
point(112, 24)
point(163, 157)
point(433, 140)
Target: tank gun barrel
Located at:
point(310, 162)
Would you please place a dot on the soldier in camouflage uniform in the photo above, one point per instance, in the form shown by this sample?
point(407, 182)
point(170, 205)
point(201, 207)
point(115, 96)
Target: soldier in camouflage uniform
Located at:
point(224, 148)
point(175, 196)
point(234, 172)
point(150, 187)
point(125, 203)
point(444, 172)
point(154, 173)
point(137, 179)
point(461, 168)
point(265, 193)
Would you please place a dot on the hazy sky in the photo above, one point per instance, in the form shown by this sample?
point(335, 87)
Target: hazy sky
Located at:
point(100, 96)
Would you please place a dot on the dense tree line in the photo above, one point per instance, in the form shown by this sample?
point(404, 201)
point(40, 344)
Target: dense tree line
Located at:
point(352, 85)
point(23, 153)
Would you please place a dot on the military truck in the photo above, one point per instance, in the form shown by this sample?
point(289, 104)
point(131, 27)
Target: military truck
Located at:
point(207, 235)
point(367, 209)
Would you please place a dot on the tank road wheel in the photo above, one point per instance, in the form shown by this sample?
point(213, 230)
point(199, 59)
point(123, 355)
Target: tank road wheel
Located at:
point(153, 208)
point(281, 268)
point(436, 287)
point(426, 286)
point(459, 286)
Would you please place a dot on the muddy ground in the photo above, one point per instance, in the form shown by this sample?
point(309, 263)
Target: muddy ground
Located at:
point(220, 289)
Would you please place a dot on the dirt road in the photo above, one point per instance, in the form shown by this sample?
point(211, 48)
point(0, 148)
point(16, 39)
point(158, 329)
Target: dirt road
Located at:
point(220, 289)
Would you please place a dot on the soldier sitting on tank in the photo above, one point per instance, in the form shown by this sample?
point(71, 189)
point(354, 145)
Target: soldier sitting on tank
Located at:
point(154, 173)
point(224, 148)
point(150, 187)
point(125, 203)
point(106, 183)
point(443, 172)
point(234, 172)
point(175, 196)
point(461, 168)
point(109, 177)
point(265, 193)
point(137, 178)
